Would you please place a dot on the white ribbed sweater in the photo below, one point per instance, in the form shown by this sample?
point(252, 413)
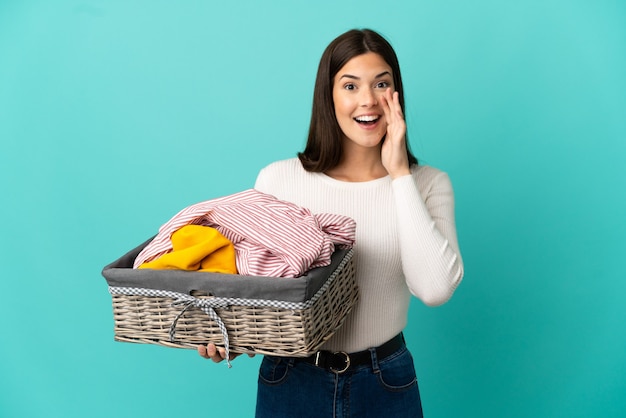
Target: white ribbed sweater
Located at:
point(406, 242)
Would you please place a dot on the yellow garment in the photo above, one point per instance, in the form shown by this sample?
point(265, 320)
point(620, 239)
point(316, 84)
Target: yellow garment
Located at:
point(198, 248)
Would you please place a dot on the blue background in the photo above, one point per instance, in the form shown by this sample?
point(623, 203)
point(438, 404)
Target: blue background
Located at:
point(116, 114)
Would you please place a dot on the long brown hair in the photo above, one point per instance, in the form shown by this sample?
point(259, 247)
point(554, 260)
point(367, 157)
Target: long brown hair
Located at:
point(324, 145)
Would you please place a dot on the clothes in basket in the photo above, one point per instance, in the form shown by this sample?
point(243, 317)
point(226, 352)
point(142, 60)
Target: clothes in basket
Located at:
point(272, 237)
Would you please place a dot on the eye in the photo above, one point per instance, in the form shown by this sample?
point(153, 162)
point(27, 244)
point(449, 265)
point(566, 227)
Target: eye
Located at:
point(349, 86)
point(382, 84)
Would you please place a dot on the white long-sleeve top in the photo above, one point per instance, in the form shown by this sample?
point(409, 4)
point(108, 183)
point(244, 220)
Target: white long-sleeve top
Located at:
point(406, 242)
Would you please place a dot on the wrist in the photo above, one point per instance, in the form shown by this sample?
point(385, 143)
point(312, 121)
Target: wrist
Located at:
point(400, 173)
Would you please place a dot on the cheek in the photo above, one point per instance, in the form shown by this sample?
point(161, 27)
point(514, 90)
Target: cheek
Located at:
point(343, 108)
point(343, 105)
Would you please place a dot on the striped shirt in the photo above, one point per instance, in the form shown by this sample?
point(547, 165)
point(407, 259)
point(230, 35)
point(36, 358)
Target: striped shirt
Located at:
point(271, 237)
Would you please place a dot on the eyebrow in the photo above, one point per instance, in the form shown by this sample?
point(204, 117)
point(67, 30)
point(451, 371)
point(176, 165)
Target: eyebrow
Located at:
point(358, 78)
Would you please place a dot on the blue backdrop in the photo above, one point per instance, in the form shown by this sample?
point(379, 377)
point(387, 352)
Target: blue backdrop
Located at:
point(116, 114)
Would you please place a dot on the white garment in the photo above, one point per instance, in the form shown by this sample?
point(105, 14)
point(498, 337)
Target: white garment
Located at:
point(406, 242)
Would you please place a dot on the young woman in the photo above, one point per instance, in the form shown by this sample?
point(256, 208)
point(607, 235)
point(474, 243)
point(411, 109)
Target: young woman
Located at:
point(357, 163)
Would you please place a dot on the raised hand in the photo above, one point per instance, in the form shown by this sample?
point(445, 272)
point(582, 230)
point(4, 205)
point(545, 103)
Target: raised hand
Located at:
point(394, 153)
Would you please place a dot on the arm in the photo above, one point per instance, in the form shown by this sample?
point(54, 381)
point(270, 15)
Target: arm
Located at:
point(431, 260)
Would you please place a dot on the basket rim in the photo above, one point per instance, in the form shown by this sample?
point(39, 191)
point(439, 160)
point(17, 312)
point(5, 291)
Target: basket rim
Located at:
point(300, 289)
point(220, 302)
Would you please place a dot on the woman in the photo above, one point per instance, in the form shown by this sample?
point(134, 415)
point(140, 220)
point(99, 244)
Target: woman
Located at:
point(357, 163)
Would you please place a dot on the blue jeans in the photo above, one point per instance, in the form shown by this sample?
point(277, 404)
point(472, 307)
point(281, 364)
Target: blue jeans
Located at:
point(386, 388)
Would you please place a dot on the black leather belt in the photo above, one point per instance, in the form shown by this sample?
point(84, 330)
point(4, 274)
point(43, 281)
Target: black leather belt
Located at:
point(339, 361)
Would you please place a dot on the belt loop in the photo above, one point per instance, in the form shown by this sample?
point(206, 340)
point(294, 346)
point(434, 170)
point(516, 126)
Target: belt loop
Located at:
point(374, 360)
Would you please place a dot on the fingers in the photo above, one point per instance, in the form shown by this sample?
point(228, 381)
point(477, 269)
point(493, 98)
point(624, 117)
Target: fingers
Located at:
point(202, 351)
point(217, 354)
point(391, 105)
point(393, 152)
point(385, 102)
point(210, 351)
point(396, 127)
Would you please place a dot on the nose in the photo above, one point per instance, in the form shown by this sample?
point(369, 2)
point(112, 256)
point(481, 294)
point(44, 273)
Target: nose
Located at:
point(368, 98)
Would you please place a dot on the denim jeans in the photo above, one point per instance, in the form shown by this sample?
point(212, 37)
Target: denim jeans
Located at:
point(386, 388)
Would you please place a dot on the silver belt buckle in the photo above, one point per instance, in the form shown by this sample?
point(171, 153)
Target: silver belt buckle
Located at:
point(347, 360)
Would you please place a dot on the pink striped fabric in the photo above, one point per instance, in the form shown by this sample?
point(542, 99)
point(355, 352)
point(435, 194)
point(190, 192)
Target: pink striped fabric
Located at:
point(271, 237)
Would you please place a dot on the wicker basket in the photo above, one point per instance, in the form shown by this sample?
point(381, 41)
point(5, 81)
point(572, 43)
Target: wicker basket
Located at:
point(171, 318)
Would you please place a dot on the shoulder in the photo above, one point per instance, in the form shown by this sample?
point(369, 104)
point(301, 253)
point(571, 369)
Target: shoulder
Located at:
point(428, 178)
point(280, 169)
point(277, 175)
point(281, 166)
point(427, 173)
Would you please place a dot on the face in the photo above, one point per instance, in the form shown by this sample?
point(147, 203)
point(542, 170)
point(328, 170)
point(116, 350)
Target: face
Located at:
point(356, 92)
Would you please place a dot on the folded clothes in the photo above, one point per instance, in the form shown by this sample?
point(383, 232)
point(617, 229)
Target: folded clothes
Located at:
point(271, 237)
point(197, 248)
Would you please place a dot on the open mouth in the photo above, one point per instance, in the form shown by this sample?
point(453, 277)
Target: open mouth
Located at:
point(367, 120)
